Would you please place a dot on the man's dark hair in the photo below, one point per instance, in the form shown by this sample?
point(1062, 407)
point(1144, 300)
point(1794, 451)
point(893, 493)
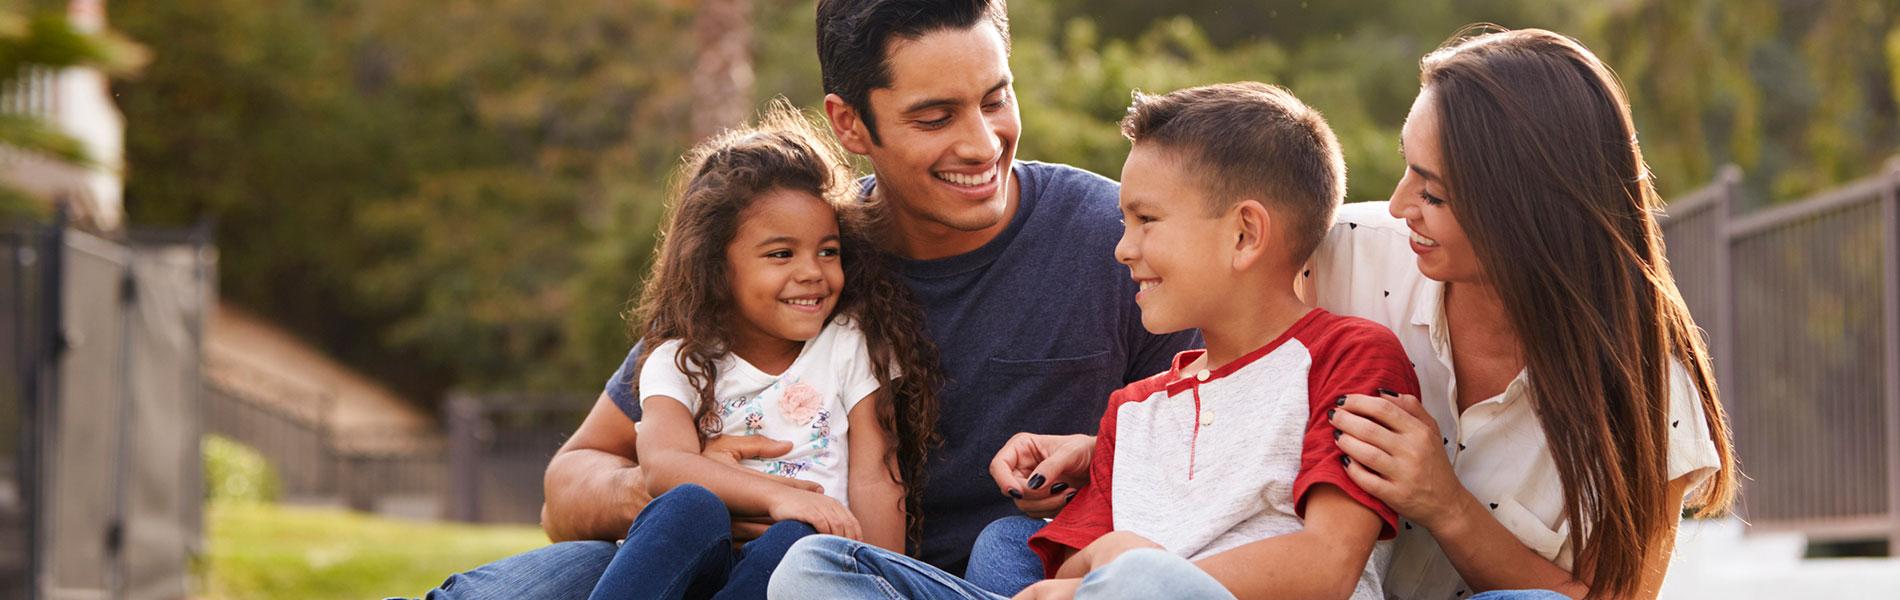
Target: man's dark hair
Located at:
point(1250, 140)
point(854, 37)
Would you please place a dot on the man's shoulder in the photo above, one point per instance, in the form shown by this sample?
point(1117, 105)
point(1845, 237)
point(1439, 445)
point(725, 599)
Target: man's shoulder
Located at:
point(1073, 201)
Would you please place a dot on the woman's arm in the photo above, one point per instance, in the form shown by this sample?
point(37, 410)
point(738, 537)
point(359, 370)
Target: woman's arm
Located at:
point(1397, 456)
point(877, 496)
point(669, 451)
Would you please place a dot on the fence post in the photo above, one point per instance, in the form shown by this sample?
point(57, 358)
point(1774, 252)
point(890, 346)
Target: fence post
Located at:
point(1890, 341)
point(1724, 343)
point(465, 446)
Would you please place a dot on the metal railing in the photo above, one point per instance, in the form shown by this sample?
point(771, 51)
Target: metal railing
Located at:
point(1801, 303)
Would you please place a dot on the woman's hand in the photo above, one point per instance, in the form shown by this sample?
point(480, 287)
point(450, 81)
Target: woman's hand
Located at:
point(1398, 455)
point(822, 512)
point(1042, 472)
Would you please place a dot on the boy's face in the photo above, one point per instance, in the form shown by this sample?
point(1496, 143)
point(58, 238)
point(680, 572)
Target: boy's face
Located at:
point(947, 128)
point(1174, 246)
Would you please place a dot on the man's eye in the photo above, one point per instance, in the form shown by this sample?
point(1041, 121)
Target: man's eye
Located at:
point(935, 123)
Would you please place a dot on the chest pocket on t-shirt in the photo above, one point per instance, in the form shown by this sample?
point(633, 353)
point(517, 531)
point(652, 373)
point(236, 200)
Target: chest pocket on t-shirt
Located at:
point(1094, 361)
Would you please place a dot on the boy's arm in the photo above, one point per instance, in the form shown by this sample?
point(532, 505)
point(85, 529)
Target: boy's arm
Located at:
point(877, 496)
point(1323, 560)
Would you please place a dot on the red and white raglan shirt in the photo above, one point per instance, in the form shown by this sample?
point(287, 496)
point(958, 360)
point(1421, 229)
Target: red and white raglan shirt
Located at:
point(1208, 461)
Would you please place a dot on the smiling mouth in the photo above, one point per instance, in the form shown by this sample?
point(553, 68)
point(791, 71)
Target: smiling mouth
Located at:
point(809, 301)
point(964, 180)
point(1424, 241)
point(1148, 284)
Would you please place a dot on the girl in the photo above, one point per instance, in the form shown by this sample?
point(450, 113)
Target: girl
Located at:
point(758, 323)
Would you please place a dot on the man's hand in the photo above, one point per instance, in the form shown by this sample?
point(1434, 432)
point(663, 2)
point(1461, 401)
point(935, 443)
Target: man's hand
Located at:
point(730, 449)
point(1042, 472)
point(1050, 589)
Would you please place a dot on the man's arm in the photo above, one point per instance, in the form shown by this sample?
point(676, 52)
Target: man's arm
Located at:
point(593, 485)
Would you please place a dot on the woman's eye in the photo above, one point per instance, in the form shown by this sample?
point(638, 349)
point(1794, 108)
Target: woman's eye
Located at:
point(1430, 199)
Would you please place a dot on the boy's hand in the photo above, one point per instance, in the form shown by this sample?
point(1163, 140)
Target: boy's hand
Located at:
point(1041, 472)
point(1050, 589)
point(1398, 455)
point(822, 512)
point(1109, 547)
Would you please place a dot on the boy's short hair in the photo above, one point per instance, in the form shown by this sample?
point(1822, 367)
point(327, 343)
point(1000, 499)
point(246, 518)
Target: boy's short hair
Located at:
point(854, 37)
point(1250, 140)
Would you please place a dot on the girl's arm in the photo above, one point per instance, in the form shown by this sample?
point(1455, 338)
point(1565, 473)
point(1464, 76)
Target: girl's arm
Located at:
point(1397, 456)
point(669, 455)
point(877, 496)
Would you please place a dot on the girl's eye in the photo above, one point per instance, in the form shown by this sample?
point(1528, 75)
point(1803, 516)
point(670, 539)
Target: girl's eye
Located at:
point(828, 252)
point(779, 254)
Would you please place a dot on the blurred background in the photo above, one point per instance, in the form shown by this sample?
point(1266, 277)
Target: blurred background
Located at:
point(297, 297)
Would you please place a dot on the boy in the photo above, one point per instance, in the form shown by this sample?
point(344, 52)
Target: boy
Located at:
point(1227, 458)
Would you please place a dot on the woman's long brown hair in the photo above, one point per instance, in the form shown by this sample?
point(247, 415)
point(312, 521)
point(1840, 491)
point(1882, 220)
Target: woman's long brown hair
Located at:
point(1548, 182)
point(688, 296)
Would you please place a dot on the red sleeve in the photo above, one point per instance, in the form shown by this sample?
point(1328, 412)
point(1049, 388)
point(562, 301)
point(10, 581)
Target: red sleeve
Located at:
point(1090, 515)
point(1351, 356)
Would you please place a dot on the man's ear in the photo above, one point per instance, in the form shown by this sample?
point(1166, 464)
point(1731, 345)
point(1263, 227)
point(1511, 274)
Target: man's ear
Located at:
point(1253, 233)
point(847, 125)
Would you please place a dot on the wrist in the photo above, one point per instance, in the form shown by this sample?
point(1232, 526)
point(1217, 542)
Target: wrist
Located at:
point(1455, 518)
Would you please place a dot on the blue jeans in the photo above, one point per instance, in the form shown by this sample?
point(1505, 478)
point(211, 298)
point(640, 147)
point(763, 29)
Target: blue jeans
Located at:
point(830, 567)
point(563, 571)
point(1001, 561)
point(681, 547)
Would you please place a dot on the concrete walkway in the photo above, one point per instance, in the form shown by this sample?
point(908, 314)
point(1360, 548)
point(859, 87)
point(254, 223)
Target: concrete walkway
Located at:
point(1715, 560)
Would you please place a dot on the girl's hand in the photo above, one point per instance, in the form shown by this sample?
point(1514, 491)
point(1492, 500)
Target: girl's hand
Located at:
point(1050, 589)
point(820, 511)
point(1398, 455)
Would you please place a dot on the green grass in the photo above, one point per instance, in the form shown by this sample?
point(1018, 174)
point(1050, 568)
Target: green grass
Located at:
point(271, 551)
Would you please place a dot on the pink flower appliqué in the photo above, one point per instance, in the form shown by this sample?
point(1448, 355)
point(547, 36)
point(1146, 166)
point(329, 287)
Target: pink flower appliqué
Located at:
point(800, 403)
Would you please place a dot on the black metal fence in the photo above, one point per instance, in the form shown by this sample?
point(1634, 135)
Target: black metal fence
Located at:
point(99, 464)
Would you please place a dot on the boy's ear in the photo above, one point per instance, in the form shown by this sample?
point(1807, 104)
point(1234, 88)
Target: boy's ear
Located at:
point(847, 125)
point(1253, 233)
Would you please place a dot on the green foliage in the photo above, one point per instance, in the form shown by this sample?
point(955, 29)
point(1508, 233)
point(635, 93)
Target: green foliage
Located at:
point(236, 473)
point(258, 551)
point(465, 193)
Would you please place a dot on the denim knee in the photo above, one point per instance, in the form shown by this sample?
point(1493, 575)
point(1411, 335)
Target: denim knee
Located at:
point(1151, 573)
point(561, 571)
point(1007, 533)
point(691, 499)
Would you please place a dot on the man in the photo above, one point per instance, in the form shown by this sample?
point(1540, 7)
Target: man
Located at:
point(1013, 263)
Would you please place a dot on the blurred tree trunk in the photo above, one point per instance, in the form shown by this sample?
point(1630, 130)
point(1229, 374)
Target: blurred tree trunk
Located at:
point(722, 72)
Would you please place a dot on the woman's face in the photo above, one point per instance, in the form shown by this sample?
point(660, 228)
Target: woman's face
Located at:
point(1423, 199)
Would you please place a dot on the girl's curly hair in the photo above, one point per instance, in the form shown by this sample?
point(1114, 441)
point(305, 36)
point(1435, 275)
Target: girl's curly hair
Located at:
point(688, 295)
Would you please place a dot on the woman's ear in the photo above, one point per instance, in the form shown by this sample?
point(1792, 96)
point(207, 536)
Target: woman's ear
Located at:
point(1253, 231)
point(847, 125)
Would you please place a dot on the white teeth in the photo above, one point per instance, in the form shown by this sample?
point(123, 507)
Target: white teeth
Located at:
point(968, 180)
point(1148, 285)
point(1423, 241)
point(803, 301)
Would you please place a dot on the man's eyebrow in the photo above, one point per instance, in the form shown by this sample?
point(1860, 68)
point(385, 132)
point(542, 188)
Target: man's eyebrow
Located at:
point(930, 103)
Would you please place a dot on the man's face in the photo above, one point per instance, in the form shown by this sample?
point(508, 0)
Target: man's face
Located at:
point(947, 129)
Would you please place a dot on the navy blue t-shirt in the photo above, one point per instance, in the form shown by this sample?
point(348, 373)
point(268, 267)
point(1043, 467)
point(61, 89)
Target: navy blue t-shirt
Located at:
point(1035, 328)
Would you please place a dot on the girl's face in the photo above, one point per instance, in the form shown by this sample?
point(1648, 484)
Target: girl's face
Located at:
point(1422, 199)
point(785, 270)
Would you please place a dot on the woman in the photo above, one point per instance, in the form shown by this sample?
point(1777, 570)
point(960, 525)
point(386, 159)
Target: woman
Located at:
point(1564, 381)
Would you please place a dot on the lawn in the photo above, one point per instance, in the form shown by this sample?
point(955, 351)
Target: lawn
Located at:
point(271, 551)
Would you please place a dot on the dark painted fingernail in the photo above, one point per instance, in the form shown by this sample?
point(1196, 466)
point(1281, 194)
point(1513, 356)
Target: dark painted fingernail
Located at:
point(1387, 392)
point(1345, 460)
point(1058, 487)
point(1336, 433)
point(1015, 494)
point(1330, 412)
point(1340, 401)
point(1069, 497)
point(1036, 481)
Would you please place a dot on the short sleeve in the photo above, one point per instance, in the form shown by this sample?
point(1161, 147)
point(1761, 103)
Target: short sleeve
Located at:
point(1691, 447)
point(661, 376)
point(1355, 356)
point(857, 379)
point(1091, 514)
point(620, 385)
